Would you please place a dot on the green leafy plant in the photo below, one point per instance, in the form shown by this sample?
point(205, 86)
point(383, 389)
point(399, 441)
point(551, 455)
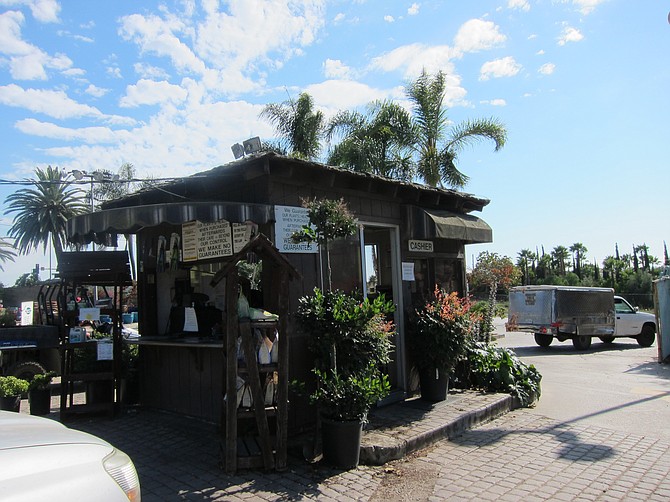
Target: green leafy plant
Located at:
point(41, 381)
point(498, 369)
point(349, 397)
point(11, 386)
point(440, 330)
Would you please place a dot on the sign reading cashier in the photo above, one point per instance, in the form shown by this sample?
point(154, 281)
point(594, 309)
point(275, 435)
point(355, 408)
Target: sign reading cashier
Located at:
point(421, 246)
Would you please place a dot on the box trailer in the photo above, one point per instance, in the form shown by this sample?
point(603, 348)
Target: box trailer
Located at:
point(577, 314)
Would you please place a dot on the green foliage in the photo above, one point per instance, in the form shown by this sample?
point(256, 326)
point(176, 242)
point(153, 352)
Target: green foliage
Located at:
point(491, 268)
point(41, 381)
point(355, 327)
point(7, 318)
point(329, 219)
point(12, 386)
point(440, 330)
point(349, 397)
point(497, 369)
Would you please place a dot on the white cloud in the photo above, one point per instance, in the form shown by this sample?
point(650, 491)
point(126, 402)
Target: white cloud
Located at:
point(570, 35)
point(476, 35)
point(587, 6)
point(334, 68)
point(413, 9)
point(518, 4)
point(74, 72)
point(149, 71)
point(340, 94)
point(411, 59)
point(389, 19)
point(91, 135)
point(55, 104)
point(504, 67)
point(547, 69)
point(149, 92)
point(494, 102)
point(96, 91)
point(45, 11)
point(540, 52)
point(114, 71)
point(339, 17)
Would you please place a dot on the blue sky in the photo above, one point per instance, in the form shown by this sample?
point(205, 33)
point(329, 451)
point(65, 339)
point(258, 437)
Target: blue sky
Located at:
point(582, 86)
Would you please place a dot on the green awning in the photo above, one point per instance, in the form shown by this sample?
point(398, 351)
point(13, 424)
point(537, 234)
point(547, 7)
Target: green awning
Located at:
point(462, 227)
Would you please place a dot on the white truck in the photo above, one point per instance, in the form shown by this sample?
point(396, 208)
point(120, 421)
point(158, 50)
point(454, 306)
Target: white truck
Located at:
point(577, 314)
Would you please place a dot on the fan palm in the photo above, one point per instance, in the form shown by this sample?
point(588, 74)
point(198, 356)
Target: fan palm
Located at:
point(437, 147)
point(298, 126)
point(41, 212)
point(7, 252)
point(379, 142)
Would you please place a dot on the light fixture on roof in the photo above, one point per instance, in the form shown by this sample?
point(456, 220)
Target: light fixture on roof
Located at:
point(249, 146)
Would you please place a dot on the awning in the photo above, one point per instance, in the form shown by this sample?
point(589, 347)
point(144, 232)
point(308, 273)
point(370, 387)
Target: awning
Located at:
point(98, 226)
point(462, 227)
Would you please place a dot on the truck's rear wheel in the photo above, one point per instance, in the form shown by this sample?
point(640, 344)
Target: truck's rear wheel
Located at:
point(26, 370)
point(543, 340)
point(581, 342)
point(647, 336)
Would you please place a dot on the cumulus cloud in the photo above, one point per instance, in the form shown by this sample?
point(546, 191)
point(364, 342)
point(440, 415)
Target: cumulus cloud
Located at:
point(96, 91)
point(476, 35)
point(504, 67)
point(547, 69)
point(91, 135)
point(149, 92)
point(570, 34)
point(518, 4)
point(412, 59)
point(151, 72)
point(587, 6)
point(26, 61)
point(413, 9)
point(494, 102)
point(334, 68)
point(45, 11)
point(389, 19)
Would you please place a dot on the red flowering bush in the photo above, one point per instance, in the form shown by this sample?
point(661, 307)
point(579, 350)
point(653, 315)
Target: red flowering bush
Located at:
point(440, 331)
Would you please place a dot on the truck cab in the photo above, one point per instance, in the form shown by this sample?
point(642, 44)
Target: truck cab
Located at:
point(629, 322)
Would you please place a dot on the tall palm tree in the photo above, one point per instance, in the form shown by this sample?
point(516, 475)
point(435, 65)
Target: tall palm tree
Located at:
point(578, 255)
point(42, 212)
point(559, 255)
point(437, 145)
point(524, 258)
point(298, 126)
point(7, 252)
point(378, 142)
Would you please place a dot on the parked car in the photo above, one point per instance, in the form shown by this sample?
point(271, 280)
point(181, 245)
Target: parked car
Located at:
point(42, 459)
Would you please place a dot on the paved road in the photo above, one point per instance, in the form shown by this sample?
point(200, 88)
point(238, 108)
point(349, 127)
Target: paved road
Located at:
point(619, 386)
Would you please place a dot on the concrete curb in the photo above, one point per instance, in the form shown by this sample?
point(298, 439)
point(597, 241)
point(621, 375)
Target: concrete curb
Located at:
point(444, 420)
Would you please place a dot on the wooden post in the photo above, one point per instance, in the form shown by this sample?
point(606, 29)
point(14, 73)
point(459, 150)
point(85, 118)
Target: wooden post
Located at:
point(282, 390)
point(232, 330)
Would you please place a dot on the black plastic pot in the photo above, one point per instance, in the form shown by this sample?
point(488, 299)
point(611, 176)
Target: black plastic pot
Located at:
point(341, 442)
point(40, 401)
point(434, 384)
point(10, 403)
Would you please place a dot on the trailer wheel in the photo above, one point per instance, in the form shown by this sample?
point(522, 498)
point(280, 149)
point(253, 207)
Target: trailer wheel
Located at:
point(647, 336)
point(581, 342)
point(26, 370)
point(543, 340)
point(607, 339)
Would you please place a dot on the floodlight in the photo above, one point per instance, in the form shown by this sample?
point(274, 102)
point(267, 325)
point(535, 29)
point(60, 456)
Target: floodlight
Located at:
point(252, 145)
point(238, 150)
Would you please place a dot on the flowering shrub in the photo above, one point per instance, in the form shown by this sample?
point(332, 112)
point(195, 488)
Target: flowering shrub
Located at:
point(440, 330)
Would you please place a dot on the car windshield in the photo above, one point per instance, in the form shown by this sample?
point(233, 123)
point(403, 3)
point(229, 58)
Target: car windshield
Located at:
point(621, 307)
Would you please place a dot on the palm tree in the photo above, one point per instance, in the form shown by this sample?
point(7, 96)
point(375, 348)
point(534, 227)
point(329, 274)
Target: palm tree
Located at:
point(559, 255)
point(379, 142)
point(298, 126)
point(42, 212)
point(7, 252)
point(524, 258)
point(578, 254)
point(438, 148)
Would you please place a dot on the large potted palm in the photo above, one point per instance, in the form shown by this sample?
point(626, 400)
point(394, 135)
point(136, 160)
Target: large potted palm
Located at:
point(438, 334)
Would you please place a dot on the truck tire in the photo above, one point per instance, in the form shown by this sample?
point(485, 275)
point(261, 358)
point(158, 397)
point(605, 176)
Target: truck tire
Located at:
point(26, 370)
point(581, 342)
point(543, 340)
point(647, 336)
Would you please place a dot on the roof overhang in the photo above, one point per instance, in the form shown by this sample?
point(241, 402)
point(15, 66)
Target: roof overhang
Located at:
point(98, 226)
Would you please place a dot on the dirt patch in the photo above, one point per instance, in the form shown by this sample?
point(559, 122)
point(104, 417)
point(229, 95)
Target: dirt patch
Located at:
point(410, 479)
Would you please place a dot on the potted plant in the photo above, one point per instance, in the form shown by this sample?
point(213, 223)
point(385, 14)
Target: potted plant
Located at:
point(39, 393)
point(438, 334)
point(11, 389)
point(349, 337)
